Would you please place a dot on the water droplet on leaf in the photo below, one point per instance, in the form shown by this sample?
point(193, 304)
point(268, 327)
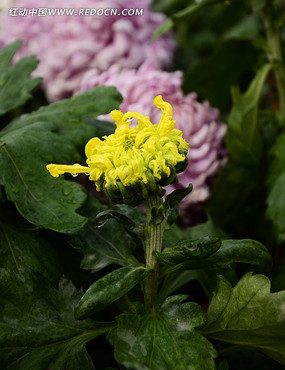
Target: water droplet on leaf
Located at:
point(100, 223)
point(66, 191)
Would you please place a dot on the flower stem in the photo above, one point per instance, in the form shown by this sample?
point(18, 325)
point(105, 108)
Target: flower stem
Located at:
point(153, 235)
point(275, 56)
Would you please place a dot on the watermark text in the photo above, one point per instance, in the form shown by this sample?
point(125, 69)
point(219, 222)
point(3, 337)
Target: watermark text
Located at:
point(99, 12)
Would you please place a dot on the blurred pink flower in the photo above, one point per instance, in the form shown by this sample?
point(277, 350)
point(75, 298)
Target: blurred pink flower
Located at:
point(198, 121)
point(67, 46)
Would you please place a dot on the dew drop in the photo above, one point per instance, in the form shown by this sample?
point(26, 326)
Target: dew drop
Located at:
point(100, 223)
point(129, 119)
point(74, 174)
point(66, 191)
point(87, 174)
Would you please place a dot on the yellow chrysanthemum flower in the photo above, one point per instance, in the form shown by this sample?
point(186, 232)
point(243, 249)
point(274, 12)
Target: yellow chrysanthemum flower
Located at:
point(139, 158)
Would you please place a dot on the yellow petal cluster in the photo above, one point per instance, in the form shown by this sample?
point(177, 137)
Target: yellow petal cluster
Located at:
point(132, 154)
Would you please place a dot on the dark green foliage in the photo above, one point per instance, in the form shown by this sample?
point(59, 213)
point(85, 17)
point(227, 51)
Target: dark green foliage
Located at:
point(51, 134)
point(248, 315)
point(276, 181)
point(110, 288)
point(15, 84)
point(37, 325)
point(189, 249)
point(243, 177)
point(172, 203)
point(216, 73)
point(163, 338)
point(104, 244)
point(210, 253)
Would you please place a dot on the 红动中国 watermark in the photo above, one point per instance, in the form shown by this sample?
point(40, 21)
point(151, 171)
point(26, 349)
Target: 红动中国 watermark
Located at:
point(45, 12)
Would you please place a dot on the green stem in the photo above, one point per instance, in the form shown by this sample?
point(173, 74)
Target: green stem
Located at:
point(275, 56)
point(153, 235)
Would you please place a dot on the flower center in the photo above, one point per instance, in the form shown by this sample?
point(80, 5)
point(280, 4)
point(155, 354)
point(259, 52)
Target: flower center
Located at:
point(128, 143)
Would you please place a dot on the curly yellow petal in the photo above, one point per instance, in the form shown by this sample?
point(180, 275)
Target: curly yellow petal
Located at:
point(143, 121)
point(92, 146)
point(59, 169)
point(166, 122)
point(117, 116)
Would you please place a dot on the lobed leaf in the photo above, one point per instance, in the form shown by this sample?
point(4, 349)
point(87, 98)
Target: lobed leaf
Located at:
point(104, 245)
point(163, 338)
point(129, 224)
point(15, 83)
point(172, 201)
point(248, 314)
point(22, 248)
point(37, 325)
point(68, 113)
point(51, 134)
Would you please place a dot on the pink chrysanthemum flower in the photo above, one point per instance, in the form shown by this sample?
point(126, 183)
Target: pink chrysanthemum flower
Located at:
point(67, 46)
point(198, 121)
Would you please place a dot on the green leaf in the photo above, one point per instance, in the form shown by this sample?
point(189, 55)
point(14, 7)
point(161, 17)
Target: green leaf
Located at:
point(129, 224)
point(7, 54)
point(163, 338)
point(247, 358)
point(208, 228)
point(277, 156)
point(102, 127)
point(109, 289)
point(37, 325)
point(257, 4)
point(67, 114)
point(189, 250)
point(276, 182)
point(51, 134)
point(23, 248)
point(173, 280)
point(243, 177)
point(40, 198)
point(38, 329)
point(236, 181)
point(248, 314)
point(174, 234)
point(249, 27)
point(231, 251)
point(162, 29)
point(220, 70)
point(105, 245)
point(135, 230)
point(169, 22)
point(243, 137)
point(172, 201)
point(176, 279)
point(15, 84)
point(242, 251)
point(276, 207)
